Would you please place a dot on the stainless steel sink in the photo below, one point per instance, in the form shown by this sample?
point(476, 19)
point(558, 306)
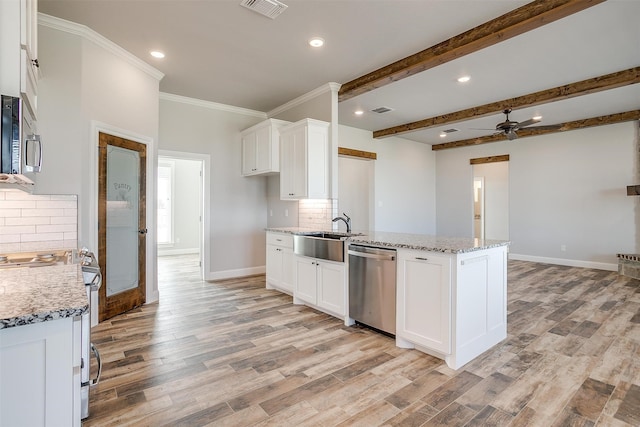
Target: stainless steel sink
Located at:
point(329, 246)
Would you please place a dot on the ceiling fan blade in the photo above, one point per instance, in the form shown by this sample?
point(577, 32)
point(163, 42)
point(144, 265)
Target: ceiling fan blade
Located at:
point(528, 123)
point(547, 127)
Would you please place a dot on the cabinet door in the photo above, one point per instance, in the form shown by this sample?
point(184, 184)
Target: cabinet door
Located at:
point(331, 287)
point(263, 150)
point(37, 371)
point(293, 165)
point(287, 269)
point(274, 265)
point(249, 154)
point(424, 299)
point(305, 279)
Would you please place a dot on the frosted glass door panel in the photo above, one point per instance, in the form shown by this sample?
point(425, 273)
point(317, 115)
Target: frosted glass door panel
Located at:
point(123, 195)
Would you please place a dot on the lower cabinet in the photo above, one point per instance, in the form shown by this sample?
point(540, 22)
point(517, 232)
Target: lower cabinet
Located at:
point(321, 284)
point(424, 300)
point(452, 306)
point(280, 262)
point(40, 371)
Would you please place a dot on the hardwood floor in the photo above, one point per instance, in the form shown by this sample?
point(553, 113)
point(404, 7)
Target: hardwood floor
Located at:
point(232, 353)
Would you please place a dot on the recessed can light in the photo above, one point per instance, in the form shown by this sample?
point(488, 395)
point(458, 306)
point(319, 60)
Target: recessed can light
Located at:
point(537, 117)
point(464, 79)
point(157, 54)
point(443, 134)
point(358, 112)
point(316, 42)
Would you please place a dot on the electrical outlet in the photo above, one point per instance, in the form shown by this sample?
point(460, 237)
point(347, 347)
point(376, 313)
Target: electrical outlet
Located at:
point(286, 212)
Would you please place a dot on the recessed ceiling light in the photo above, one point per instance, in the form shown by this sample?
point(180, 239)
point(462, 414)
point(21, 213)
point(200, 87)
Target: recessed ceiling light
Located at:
point(157, 54)
point(443, 134)
point(316, 42)
point(463, 79)
point(358, 112)
point(537, 117)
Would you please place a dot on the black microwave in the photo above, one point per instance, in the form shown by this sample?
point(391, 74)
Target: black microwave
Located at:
point(21, 149)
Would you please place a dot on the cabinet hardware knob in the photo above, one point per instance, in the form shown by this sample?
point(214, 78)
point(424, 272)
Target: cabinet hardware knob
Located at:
point(142, 231)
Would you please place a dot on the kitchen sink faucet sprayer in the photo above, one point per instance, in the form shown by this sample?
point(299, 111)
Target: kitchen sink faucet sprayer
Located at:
point(346, 220)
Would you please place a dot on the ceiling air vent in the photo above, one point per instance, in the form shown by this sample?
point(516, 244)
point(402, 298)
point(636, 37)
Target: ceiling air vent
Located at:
point(381, 110)
point(450, 130)
point(269, 8)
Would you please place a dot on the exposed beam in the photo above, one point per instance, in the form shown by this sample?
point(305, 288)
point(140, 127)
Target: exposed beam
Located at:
point(342, 151)
point(490, 159)
point(518, 21)
point(523, 133)
point(584, 87)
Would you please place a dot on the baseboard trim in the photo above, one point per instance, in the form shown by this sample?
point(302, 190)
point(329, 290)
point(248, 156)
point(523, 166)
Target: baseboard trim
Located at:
point(565, 262)
point(232, 274)
point(187, 251)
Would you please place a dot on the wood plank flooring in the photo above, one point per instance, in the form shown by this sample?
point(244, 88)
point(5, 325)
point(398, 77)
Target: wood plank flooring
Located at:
point(232, 353)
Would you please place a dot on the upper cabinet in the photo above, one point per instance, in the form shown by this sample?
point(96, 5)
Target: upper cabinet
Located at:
point(19, 51)
point(261, 148)
point(304, 160)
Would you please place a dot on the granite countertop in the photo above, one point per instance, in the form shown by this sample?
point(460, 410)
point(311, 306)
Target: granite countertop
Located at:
point(422, 242)
point(38, 294)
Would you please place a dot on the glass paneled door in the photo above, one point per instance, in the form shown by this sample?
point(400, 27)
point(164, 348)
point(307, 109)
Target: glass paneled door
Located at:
point(121, 224)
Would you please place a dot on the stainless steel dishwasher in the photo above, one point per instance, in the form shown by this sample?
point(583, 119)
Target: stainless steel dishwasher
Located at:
point(372, 287)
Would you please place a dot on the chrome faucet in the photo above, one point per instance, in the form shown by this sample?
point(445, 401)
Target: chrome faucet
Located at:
point(346, 220)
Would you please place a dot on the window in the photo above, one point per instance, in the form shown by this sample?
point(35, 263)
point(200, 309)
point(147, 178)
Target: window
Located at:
point(166, 170)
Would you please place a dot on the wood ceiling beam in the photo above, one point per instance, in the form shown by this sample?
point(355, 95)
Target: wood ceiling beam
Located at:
point(523, 133)
point(584, 87)
point(518, 21)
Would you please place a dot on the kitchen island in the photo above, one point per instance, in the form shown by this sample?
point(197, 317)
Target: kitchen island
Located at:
point(451, 292)
point(40, 311)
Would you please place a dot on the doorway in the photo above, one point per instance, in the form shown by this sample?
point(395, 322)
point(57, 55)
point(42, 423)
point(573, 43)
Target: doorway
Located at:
point(122, 231)
point(491, 200)
point(356, 191)
point(183, 209)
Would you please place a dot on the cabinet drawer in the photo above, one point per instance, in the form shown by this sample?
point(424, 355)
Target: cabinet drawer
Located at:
point(284, 240)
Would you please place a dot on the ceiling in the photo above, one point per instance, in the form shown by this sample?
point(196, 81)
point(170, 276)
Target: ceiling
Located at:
point(218, 51)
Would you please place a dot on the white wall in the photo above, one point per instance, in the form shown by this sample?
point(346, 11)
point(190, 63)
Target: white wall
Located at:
point(564, 189)
point(87, 80)
point(238, 204)
point(404, 181)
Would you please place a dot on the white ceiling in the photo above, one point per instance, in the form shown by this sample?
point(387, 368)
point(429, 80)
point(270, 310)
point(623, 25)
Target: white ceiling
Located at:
point(221, 52)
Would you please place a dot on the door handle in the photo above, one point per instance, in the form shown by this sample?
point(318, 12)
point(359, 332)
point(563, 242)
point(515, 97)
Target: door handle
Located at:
point(142, 231)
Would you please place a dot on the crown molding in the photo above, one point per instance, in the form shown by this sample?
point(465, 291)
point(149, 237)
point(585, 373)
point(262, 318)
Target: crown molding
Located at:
point(328, 87)
point(89, 34)
point(212, 105)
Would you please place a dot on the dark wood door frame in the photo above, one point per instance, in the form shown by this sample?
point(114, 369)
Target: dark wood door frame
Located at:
point(129, 299)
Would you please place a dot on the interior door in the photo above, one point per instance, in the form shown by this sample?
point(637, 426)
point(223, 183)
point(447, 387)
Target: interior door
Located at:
point(121, 224)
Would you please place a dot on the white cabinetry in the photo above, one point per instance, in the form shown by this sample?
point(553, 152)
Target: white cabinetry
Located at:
point(321, 284)
point(453, 306)
point(261, 148)
point(280, 262)
point(40, 369)
point(424, 299)
point(19, 51)
point(304, 160)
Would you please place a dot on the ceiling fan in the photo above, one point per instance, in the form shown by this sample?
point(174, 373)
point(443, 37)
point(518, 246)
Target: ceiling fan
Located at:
point(509, 127)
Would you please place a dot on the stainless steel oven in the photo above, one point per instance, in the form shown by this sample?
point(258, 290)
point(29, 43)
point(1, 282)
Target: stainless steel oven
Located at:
point(93, 280)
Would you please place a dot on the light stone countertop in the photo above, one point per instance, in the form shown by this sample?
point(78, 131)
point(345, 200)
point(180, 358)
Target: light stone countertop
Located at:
point(38, 294)
point(422, 242)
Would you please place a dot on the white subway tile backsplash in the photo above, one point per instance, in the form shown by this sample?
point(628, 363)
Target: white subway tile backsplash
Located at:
point(316, 213)
point(31, 223)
